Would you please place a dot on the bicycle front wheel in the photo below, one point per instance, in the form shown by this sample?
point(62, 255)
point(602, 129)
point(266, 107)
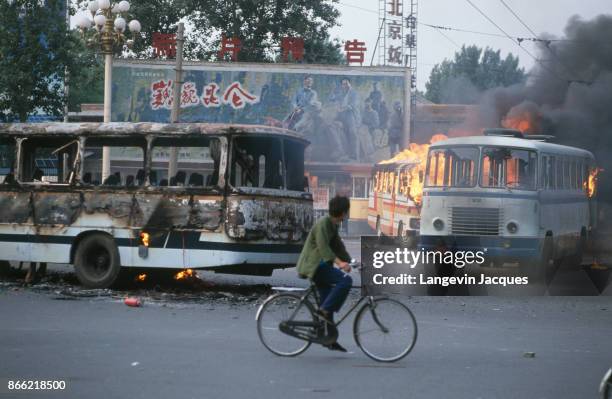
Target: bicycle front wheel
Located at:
point(385, 330)
point(275, 310)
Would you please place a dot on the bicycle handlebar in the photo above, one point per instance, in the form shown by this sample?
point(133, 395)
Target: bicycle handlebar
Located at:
point(355, 265)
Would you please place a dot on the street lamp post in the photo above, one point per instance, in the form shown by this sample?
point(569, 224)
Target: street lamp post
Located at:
point(109, 27)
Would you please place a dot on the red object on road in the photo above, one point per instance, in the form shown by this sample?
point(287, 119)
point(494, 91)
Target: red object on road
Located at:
point(133, 302)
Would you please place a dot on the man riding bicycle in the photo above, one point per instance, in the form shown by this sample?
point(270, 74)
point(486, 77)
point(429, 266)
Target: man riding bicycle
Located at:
point(323, 249)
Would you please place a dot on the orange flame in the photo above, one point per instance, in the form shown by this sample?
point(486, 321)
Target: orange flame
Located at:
point(185, 274)
point(141, 277)
point(145, 239)
point(525, 122)
point(410, 180)
point(590, 185)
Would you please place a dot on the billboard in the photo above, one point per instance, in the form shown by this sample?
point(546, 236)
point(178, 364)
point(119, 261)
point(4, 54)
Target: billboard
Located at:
point(349, 114)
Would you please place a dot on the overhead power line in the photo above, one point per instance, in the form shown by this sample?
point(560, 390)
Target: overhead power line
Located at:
point(448, 38)
point(517, 38)
point(519, 18)
point(358, 8)
point(515, 41)
point(547, 44)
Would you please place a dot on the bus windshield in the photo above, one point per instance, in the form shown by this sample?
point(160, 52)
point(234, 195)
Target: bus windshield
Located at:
point(504, 167)
point(452, 167)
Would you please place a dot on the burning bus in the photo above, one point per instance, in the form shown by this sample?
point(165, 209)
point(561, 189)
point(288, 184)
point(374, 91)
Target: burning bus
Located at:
point(519, 198)
point(397, 192)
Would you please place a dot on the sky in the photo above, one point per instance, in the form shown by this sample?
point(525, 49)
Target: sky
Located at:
point(359, 20)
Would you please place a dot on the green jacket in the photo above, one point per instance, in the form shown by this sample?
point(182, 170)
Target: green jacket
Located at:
point(323, 244)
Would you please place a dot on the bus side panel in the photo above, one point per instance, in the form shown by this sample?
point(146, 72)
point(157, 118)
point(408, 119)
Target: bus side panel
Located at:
point(176, 223)
point(166, 211)
point(14, 207)
point(564, 214)
point(278, 219)
point(118, 206)
point(55, 208)
point(15, 242)
point(206, 212)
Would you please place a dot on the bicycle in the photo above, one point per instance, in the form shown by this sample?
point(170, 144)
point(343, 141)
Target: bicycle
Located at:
point(288, 323)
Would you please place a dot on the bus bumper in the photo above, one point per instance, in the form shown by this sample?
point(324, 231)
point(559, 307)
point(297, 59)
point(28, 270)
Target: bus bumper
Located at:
point(496, 249)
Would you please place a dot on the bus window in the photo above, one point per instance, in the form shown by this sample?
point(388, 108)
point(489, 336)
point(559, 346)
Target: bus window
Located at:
point(7, 161)
point(197, 162)
point(452, 167)
point(126, 162)
point(579, 174)
point(543, 176)
point(509, 168)
point(294, 158)
point(246, 160)
point(550, 173)
point(567, 182)
point(48, 159)
point(572, 172)
point(559, 173)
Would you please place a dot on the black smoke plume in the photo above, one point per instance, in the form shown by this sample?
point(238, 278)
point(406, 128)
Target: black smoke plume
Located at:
point(569, 93)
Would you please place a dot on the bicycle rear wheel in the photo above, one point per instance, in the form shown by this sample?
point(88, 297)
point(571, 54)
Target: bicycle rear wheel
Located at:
point(279, 308)
point(385, 332)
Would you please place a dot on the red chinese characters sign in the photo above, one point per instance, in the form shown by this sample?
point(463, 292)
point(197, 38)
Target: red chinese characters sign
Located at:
point(234, 95)
point(164, 44)
point(355, 51)
point(209, 95)
point(161, 94)
point(238, 97)
point(189, 95)
point(230, 45)
point(293, 46)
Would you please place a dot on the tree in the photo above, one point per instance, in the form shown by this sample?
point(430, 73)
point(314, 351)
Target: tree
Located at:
point(88, 85)
point(36, 47)
point(471, 72)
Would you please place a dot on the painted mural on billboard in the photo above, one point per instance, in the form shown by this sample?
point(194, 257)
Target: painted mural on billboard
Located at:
point(348, 114)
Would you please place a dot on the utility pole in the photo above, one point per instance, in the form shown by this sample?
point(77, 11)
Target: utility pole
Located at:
point(66, 73)
point(176, 96)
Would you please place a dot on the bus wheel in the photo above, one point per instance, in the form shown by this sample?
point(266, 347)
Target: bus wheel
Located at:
point(96, 261)
point(575, 260)
point(539, 271)
point(405, 237)
point(378, 228)
point(5, 268)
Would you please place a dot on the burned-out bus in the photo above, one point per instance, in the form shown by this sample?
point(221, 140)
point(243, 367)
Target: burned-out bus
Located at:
point(234, 201)
point(519, 198)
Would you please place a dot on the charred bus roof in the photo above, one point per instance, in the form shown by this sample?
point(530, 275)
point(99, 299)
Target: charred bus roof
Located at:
point(118, 129)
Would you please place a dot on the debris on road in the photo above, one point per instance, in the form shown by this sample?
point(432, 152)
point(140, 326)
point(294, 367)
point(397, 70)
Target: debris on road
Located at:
point(529, 354)
point(156, 288)
point(133, 302)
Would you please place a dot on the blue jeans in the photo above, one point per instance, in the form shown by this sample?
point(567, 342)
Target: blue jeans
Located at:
point(333, 286)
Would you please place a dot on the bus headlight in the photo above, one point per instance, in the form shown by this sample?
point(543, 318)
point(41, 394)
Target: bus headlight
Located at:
point(438, 224)
point(512, 227)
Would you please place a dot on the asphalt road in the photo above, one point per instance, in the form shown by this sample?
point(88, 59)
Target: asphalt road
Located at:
point(178, 347)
